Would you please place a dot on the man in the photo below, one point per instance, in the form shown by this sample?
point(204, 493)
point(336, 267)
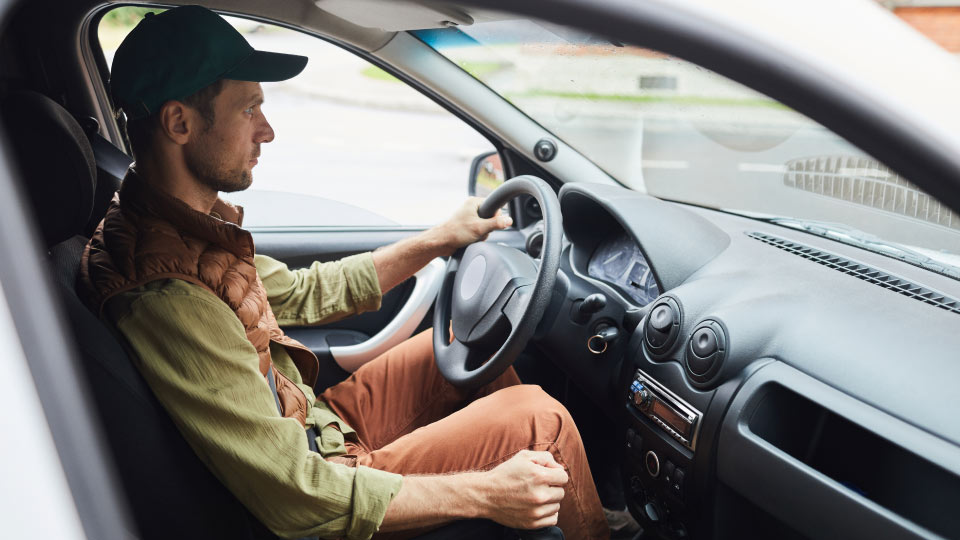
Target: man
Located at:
point(393, 448)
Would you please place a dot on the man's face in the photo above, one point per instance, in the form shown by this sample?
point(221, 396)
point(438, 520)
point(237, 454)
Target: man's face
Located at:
point(223, 155)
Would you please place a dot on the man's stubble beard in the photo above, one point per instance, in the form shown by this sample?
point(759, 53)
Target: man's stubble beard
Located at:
point(205, 168)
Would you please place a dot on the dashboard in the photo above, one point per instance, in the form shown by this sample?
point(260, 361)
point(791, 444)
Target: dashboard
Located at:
point(619, 262)
point(749, 372)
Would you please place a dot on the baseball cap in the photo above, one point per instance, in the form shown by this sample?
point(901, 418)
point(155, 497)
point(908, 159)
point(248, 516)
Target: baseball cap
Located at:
point(174, 54)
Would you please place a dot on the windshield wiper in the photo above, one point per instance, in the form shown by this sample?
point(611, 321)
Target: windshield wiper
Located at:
point(855, 237)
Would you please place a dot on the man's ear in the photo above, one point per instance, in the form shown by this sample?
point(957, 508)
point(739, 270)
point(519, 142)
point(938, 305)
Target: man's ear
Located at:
point(176, 121)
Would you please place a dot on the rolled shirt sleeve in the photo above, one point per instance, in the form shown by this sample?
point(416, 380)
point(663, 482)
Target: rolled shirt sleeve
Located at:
point(193, 352)
point(321, 293)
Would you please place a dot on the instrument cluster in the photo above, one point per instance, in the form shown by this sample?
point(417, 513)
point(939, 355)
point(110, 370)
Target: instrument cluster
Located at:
point(619, 262)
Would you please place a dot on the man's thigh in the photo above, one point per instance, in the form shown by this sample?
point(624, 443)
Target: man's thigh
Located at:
point(400, 391)
point(478, 436)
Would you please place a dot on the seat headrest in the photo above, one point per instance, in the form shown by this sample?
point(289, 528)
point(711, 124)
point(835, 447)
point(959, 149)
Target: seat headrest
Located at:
point(55, 160)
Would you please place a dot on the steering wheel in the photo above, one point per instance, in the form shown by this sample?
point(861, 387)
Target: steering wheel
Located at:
point(496, 294)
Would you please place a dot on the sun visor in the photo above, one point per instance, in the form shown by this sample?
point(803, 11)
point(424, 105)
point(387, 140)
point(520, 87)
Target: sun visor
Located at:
point(395, 15)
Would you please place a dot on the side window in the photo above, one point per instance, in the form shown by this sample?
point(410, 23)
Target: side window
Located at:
point(353, 145)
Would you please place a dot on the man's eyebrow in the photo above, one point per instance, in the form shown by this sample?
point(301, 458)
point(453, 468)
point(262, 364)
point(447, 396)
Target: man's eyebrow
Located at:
point(256, 99)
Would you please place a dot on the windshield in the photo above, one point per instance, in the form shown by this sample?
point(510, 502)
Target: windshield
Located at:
point(675, 130)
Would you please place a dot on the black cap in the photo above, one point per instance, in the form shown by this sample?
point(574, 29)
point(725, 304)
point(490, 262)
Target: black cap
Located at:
point(174, 54)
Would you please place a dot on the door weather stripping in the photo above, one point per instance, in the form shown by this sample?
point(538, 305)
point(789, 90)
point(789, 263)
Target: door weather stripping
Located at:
point(425, 290)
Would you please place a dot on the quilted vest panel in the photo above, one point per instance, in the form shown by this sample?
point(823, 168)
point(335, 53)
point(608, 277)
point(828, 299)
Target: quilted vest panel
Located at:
point(148, 235)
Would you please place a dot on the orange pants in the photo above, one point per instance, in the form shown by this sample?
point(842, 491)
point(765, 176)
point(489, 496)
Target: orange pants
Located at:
point(410, 420)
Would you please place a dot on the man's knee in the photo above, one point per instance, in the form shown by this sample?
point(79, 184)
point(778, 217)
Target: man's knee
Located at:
point(532, 403)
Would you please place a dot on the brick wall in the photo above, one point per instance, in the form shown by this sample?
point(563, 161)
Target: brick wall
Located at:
point(940, 24)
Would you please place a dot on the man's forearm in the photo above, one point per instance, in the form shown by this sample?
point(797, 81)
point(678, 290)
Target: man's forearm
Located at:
point(424, 501)
point(397, 262)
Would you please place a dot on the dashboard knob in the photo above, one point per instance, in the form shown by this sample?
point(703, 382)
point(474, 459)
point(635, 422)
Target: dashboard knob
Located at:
point(642, 399)
point(662, 318)
point(704, 342)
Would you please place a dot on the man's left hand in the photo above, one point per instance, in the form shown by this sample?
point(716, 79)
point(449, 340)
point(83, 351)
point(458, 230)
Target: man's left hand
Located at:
point(466, 226)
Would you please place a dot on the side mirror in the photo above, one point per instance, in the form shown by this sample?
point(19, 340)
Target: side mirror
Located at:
point(486, 174)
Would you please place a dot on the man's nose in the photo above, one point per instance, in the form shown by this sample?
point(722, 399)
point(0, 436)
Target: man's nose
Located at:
point(264, 131)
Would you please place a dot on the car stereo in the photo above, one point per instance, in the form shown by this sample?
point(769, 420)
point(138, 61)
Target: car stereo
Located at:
point(670, 413)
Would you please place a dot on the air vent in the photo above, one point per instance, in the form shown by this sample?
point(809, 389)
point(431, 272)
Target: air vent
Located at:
point(706, 351)
point(862, 271)
point(663, 326)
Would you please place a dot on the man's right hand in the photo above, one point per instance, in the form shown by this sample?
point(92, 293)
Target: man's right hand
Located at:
point(524, 492)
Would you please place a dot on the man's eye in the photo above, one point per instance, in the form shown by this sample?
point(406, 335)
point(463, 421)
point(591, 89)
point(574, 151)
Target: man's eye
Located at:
point(248, 110)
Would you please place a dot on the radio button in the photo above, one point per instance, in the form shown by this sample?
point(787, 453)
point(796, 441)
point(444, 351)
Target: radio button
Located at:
point(634, 440)
point(668, 470)
point(676, 486)
point(636, 486)
point(652, 462)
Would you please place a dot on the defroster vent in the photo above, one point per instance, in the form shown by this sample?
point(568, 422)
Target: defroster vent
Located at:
point(862, 271)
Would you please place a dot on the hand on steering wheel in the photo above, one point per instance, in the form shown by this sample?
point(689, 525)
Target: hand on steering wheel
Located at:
point(495, 295)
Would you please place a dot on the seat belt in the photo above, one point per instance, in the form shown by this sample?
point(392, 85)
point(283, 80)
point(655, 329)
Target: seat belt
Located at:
point(109, 158)
point(312, 432)
point(273, 388)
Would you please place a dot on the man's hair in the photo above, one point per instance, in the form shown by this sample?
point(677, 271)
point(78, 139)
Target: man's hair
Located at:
point(140, 132)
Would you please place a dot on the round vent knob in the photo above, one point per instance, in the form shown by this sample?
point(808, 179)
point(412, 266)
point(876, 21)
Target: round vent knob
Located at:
point(662, 318)
point(706, 350)
point(704, 342)
point(663, 326)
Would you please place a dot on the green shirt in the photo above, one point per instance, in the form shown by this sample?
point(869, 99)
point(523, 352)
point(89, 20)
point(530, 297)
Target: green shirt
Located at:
point(193, 352)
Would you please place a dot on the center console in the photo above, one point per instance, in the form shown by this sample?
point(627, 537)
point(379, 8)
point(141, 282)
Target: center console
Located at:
point(661, 438)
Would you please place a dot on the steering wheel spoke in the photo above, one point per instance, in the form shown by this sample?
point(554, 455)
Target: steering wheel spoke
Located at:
point(461, 360)
point(516, 306)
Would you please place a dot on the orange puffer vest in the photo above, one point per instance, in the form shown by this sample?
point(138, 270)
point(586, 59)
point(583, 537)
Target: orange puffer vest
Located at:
point(147, 235)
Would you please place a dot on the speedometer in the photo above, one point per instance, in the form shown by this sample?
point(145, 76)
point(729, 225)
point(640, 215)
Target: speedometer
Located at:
point(619, 262)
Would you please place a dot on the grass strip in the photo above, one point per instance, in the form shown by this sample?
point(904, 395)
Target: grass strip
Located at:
point(626, 98)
